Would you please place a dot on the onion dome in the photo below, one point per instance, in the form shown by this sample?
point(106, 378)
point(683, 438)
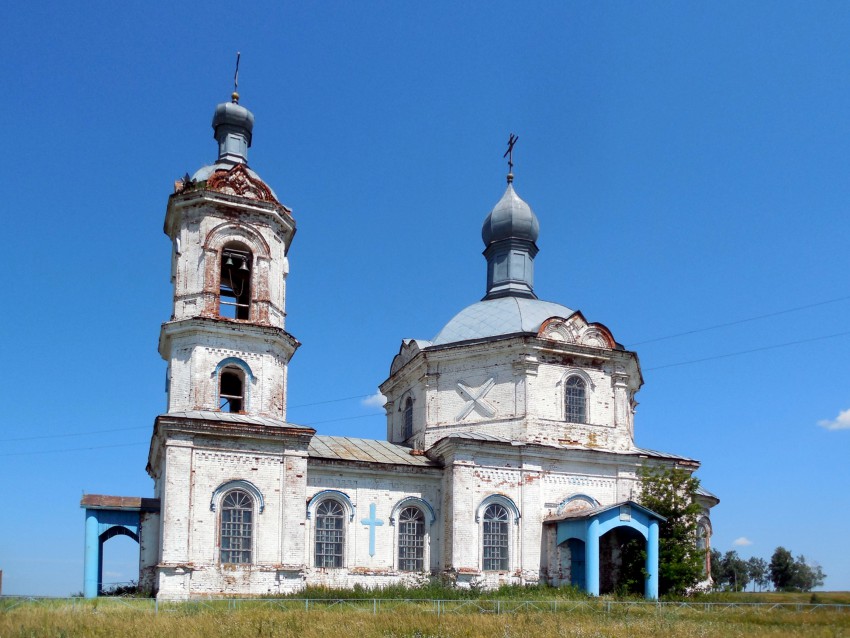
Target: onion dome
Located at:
point(510, 217)
point(233, 124)
point(509, 233)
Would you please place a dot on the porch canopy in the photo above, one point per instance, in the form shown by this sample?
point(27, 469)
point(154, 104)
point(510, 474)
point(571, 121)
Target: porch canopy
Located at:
point(107, 517)
point(589, 525)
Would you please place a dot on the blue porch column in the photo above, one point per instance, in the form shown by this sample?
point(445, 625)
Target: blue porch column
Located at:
point(651, 587)
point(591, 558)
point(92, 556)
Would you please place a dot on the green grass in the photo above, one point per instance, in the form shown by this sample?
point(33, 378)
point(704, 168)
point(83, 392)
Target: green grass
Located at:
point(416, 619)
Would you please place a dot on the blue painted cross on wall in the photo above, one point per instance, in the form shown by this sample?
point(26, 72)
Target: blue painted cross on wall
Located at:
point(372, 523)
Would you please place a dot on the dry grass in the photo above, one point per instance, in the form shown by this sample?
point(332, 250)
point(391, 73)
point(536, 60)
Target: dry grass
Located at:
point(114, 619)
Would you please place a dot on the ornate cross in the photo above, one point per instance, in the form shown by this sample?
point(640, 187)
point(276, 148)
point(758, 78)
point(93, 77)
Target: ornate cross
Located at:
point(512, 139)
point(475, 399)
point(372, 522)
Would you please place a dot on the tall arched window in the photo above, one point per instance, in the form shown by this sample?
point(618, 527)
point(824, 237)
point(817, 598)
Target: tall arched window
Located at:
point(576, 400)
point(330, 533)
point(496, 539)
point(231, 389)
point(407, 431)
point(411, 540)
point(237, 527)
point(234, 287)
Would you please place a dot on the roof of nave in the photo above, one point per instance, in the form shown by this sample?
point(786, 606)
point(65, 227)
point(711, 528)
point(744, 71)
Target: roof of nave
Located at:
point(346, 448)
point(496, 317)
point(635, 451)
point(232, 417)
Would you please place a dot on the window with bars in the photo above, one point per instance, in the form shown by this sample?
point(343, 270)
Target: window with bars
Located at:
point(408, 419)
point(330, 533)
point(495, 546)
point(411, 540)
point(576, 400)
point(231, 389)
point(237, 525)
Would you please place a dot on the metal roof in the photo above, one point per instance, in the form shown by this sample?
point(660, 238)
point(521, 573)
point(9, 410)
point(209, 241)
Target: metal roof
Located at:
point(495, 317)
point(595, 511)
point(704, 492)
point(666, 455)
point(346, 448)
point(231, 417)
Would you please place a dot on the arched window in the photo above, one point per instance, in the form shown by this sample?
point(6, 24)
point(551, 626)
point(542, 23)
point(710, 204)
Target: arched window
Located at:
point(496, 538)
point(231, 389)
point(407, 431)
point(411, 540)
point(237, 527)
point(576, 400)
point(234, 286)
point(330, 533)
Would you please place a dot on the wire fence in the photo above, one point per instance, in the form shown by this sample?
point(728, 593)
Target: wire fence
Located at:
point(389, 605)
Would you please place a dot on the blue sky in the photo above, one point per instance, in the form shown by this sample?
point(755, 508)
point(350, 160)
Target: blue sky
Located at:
point(687, 162)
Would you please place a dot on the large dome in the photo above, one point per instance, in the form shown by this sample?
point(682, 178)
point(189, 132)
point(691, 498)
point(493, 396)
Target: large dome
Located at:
point(502, 316)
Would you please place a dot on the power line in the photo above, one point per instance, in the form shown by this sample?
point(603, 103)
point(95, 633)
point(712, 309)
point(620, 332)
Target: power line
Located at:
point(346, 418)
point(304, 405)
point(740, 352)
point(75, 449)
point(69, 434)
point(740, 321)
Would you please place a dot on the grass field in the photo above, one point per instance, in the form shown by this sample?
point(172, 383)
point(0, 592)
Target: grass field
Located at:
point(418, 619)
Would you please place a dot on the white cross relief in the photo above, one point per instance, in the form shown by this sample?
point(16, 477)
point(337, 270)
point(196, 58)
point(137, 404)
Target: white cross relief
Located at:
point(476, 399)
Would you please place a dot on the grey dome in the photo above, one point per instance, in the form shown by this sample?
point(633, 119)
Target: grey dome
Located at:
point(502, 316)
point(511, 217)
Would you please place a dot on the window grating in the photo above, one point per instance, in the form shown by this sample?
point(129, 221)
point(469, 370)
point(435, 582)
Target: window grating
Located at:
point(411, 540)
point(408, 419)
point(495, 544)
point(576, 401)
point(329, 534)
point(237, 513)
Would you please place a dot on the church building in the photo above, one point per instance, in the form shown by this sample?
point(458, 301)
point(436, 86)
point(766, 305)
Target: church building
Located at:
point(510, 454)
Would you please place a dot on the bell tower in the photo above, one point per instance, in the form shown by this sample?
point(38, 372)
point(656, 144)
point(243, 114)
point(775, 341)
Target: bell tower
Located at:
point(222, 452)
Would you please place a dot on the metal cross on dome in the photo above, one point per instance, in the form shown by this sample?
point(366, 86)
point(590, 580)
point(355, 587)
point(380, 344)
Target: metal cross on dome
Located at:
point(512, 139)
point(476, 399)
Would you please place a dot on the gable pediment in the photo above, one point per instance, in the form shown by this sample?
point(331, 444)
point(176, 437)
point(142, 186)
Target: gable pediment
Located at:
point(576, 329)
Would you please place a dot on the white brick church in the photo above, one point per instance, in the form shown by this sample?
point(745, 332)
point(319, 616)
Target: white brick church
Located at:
point(510, 454)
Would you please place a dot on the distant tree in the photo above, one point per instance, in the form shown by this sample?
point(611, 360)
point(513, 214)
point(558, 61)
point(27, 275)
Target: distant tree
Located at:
point(758, 572)
point(734, 571)
point(716, 568)
point(807, 577)
point(672, 494)
point(782, 569)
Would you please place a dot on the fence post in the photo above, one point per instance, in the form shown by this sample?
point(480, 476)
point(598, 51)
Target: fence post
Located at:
point(156, 606)
point(374, 606)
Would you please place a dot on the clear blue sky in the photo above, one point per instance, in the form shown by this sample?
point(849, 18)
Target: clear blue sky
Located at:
point(687, 161)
